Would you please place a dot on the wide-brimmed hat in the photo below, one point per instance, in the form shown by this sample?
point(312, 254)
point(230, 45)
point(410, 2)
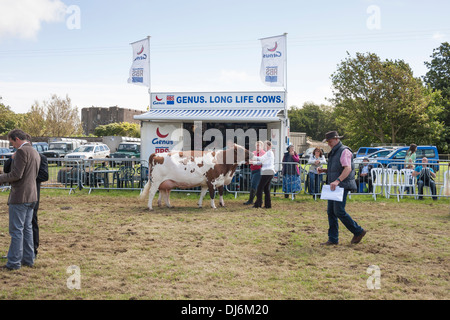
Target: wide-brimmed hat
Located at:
point(332, 135)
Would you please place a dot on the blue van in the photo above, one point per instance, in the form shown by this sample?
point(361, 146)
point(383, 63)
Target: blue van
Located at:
point(397, 157)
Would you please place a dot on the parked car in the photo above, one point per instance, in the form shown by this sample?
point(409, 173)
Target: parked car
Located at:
point(40, 147)
point(60, 148)
point(396, 158)
point(89, 151)
point(364, 151)
point(373, 156)
point(5, 153)
point(130, 150)
point(308, 152)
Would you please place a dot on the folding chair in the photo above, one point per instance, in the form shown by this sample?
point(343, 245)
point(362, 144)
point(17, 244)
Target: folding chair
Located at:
point(446, 184)
point(407, 182)
point(377, 180)
point(392, 182)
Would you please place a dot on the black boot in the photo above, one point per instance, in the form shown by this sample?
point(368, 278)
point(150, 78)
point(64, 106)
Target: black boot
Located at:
point(250, 199)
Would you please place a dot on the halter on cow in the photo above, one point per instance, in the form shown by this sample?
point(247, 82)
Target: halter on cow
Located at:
point(189, 169)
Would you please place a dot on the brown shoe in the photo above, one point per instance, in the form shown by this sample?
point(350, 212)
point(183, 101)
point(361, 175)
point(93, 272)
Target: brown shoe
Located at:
point(358, 238)
point(329, 243)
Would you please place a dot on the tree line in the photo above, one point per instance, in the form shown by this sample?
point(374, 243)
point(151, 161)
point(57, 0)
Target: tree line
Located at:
point(380, 101)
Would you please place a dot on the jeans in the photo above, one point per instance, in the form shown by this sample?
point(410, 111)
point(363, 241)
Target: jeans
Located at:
point(255, 177)
point(336, 210)
point(21, 249)
point(431, 184)
point(314, 182)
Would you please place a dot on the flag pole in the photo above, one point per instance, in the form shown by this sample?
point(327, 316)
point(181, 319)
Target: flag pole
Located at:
point(285, 72)
point(285, 91)
point(149, 76)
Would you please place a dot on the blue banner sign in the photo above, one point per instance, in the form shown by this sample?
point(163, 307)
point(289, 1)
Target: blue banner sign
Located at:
point(209, 100)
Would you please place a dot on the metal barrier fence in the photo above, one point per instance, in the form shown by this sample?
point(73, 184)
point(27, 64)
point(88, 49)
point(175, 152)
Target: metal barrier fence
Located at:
point(94, 174)
point(125, 174)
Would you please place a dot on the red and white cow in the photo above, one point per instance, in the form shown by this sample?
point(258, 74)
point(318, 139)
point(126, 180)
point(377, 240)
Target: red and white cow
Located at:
point(189, 169)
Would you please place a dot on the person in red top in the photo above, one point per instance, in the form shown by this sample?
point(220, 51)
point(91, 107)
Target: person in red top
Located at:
point(255, 172)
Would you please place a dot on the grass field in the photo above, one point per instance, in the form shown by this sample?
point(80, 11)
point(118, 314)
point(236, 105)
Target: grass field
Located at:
point(123, 251)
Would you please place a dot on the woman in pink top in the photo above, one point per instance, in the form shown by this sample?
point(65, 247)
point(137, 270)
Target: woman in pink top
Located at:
point(255, 172)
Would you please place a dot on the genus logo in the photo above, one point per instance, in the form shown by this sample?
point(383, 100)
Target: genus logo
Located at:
point(160, 140)
point(273, 53)
point(159, 134)
point(158, 101)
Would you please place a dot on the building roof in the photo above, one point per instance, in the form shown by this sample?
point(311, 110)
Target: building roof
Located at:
point(223, 115)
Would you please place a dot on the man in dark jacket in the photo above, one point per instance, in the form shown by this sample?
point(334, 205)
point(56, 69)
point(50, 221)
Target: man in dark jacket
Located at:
point(41, 177)
point(340, 172)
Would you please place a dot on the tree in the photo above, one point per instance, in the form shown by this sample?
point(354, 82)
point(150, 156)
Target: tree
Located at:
point(8, 119)
point(314, 120)
point(55, 117)
point(381, 101)
point(438, 78)
point(61, 118)
point(34, 122)
point(123, 129)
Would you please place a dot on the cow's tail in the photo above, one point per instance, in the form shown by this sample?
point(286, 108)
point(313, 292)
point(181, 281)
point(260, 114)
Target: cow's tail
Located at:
point(146, 190)
point(147, 186)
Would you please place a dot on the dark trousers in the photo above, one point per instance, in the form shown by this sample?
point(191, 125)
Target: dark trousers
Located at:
point(336, 211)
point(365, 179)
point(264, 185)
point(34, 221)
point(431, 184)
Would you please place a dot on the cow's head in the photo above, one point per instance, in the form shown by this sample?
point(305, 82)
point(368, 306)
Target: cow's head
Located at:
point(238, 155)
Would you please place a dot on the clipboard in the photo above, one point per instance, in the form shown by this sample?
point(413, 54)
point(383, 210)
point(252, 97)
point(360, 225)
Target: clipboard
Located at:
point(336, 195)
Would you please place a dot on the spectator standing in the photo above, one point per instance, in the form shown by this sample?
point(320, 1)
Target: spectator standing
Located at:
point(255, 170)
point(21, 201)
point(316, 160)
point(410, 157)
point(267, 172)
point(291, 172)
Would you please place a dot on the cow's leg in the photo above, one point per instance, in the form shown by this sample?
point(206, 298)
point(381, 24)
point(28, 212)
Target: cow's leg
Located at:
point(151, 194)
point(212, 195)
point(167, 198)
point(202, 195)
point(160, 197)
point(221, 202)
